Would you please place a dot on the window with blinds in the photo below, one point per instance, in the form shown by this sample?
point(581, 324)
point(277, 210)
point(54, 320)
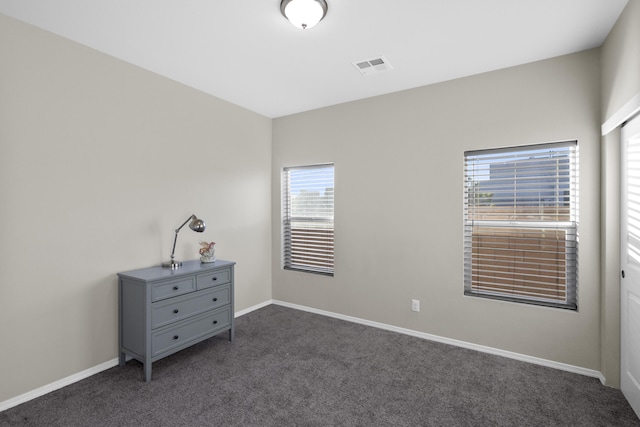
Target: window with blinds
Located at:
point(521, 224)
point(307, 195)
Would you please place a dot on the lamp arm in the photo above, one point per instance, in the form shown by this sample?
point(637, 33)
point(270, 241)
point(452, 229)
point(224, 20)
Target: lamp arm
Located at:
point(175, 239)
point(192, 217)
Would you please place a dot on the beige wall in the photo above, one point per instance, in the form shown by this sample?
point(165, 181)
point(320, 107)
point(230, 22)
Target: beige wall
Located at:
point(621, 61)
point(398, 195)
point(99, 162)
point(620, 83)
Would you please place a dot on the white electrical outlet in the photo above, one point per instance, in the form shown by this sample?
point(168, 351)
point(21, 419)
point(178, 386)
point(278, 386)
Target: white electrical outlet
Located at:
point(415, 305)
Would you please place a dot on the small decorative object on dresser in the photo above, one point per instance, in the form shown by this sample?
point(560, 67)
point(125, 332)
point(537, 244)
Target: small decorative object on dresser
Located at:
point(207, 251)
point(163, 311)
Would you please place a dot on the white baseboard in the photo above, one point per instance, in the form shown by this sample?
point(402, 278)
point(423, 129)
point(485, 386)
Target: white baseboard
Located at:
point(253, 308)
point(41, 391)
point(509, 354)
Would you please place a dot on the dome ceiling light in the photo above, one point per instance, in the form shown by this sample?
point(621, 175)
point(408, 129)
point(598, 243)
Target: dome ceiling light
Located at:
point(304, 13)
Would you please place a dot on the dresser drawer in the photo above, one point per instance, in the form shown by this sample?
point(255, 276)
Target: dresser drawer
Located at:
point(172, 288)
point(189, 330)
point(214, 278)
point(175, 309)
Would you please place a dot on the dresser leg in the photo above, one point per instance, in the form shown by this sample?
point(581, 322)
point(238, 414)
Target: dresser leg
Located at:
point(147, 371)
point(122, 359)
point(231, 334)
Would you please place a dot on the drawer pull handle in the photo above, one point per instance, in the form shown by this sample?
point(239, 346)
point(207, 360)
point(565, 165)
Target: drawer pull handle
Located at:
point(175, 288)
point(215, 322)
point(215, 299)
point(175, 311)
point(214, 278)
point(175, 337)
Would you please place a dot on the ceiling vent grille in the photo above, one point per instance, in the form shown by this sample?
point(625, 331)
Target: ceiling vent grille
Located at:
point(372, 66)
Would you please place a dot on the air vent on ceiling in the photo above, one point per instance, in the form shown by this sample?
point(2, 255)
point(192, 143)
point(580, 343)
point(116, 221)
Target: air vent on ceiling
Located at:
point(372, 66)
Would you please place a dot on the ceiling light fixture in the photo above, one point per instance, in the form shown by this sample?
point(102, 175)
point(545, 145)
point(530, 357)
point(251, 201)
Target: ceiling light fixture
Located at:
point(304, 13)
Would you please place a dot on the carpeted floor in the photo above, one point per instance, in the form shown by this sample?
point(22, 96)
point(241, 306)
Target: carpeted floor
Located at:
point(292, 368)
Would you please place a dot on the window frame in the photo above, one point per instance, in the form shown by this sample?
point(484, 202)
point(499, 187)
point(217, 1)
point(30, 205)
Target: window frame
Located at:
point(473, 285)
point(316, 246)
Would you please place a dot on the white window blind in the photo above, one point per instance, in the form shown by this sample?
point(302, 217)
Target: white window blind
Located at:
point(521, 224)
point(307, 194)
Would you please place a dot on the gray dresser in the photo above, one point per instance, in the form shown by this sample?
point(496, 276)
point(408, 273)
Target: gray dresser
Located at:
point(162, 311)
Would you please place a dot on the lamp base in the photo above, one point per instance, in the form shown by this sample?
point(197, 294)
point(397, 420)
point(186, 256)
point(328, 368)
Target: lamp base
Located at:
point(173, 264)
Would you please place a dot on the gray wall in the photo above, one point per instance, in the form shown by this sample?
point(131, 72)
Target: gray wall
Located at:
point(398, 195)
point(100, 161)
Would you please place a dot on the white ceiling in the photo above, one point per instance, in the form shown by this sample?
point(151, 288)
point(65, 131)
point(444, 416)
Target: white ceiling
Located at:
point(244, 51)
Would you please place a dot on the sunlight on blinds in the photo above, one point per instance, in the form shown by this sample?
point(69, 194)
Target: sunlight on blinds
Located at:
point(520, 230)
point(633, 201)
point(308, 206)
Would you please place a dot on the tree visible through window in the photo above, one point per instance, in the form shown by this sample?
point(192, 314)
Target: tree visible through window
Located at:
point(521, 224)
point(307, 195)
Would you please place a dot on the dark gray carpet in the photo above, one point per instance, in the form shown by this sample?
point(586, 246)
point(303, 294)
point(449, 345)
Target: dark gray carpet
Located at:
point(288, 367)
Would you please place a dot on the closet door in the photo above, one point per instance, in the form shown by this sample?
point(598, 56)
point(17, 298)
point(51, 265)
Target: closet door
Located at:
point(630, 264)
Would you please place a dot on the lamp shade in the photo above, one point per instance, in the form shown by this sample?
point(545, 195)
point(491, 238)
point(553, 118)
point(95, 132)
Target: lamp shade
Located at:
point(197, 225)
point(304, 13)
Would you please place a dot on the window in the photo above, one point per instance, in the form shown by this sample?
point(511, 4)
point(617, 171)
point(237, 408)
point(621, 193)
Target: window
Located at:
point(307, 195)
point(521, 224)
